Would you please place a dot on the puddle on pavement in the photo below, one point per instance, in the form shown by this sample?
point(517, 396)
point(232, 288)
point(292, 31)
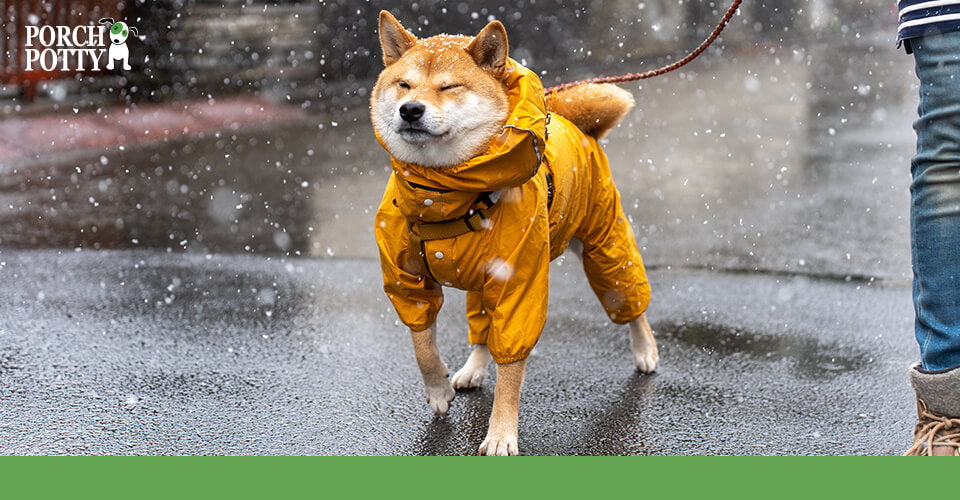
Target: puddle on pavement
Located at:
point(809, 358)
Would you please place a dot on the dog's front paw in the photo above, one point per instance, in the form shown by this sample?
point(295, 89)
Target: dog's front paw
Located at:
point(499, 444)
point(474, 370)
point(647, 359)
point(439, 397)
point(643, 345)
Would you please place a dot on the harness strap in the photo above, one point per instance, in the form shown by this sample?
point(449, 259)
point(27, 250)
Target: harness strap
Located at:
point(429, 231)
point(421, 232)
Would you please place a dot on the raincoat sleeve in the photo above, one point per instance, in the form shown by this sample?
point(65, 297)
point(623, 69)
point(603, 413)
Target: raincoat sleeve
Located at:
point(515, 294)
point(416, 298)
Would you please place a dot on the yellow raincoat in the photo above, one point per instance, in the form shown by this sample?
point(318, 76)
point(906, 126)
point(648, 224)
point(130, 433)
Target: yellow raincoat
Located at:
point(504, 265)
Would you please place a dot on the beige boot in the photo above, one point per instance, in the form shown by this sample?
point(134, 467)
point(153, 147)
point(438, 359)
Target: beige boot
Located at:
point(938, 412)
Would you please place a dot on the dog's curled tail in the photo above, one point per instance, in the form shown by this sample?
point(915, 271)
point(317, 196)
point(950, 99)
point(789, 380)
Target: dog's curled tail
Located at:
point(595, 108)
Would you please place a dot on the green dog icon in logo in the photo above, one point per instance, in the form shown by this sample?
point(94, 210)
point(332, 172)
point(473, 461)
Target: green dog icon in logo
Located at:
point(118, 42)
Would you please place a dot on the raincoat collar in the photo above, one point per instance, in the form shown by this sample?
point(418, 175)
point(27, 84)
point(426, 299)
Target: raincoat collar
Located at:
point(512, 157)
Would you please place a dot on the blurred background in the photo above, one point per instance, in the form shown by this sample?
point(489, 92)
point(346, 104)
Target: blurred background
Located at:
point(243, 127)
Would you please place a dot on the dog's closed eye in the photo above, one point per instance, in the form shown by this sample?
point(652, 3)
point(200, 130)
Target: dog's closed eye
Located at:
point(450, 87)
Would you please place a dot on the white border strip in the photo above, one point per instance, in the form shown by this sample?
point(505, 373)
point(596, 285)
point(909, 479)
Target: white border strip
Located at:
point(926, 5)
point(929, 20)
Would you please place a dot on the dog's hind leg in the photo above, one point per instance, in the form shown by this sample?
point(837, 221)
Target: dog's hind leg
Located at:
point(502, 433)
point(436, 377)
point(474, 370)
point(614, 266)
point(616, 274)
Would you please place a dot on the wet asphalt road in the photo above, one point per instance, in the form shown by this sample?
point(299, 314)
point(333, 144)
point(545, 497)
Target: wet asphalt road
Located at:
point(145, 352)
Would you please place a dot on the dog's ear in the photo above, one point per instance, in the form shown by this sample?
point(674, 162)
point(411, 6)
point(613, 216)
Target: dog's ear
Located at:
point(107, 20)
point(394, 39)
point(489, 48)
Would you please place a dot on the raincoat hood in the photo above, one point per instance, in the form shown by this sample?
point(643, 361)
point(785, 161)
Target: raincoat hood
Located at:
point(512, 158)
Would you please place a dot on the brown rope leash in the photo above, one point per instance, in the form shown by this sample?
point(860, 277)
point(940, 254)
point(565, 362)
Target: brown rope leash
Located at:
point(629, 77)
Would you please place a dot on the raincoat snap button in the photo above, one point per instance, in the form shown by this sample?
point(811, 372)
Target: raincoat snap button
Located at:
point(438, 255)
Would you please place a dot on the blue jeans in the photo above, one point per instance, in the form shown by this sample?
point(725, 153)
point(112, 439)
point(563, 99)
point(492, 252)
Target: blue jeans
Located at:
point(935, 201)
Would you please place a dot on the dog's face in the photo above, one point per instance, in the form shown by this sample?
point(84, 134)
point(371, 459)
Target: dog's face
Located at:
point(119, 32)
point(439, 101)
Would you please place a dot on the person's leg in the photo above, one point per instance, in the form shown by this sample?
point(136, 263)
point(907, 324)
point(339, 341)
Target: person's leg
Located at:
point(935, 205)
point(935, 240)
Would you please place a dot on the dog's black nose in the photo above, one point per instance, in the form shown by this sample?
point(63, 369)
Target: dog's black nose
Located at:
point(411, 111)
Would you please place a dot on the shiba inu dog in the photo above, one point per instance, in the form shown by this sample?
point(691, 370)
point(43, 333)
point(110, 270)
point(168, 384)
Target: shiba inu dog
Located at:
point(491, 181)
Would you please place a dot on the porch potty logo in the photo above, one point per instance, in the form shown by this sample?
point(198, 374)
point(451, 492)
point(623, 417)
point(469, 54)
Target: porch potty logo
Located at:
point(80, 48)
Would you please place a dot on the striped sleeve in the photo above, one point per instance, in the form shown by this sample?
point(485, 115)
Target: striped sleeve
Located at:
point(925, 17)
